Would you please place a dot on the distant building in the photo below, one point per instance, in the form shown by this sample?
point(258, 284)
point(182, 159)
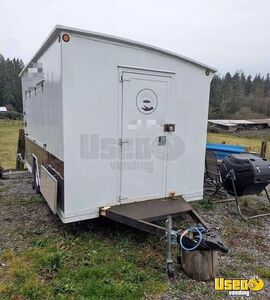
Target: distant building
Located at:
point(235, 125)
point(3, 109)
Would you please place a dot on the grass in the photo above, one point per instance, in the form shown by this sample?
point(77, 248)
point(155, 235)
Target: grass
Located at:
point(8, 143)
point(80, 266)
point(245, 257)
point(75, 264)
point(253, 144)
point(97, 263)
point(264, 272)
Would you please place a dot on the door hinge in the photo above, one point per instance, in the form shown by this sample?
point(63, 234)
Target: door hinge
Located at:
point(122, 198)
point(123, 78)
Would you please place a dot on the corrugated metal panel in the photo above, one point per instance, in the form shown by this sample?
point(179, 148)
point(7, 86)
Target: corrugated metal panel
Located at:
point(260, 121)
point(239, 122)
point(222, 122)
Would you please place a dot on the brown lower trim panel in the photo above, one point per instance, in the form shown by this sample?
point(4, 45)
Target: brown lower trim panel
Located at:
point(49, 161)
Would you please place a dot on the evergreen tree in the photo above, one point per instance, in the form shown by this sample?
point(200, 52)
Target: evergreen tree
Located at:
point(10, 83)
point(237, 96)
point(248, 85)
point(267, 86)
point(231, 96)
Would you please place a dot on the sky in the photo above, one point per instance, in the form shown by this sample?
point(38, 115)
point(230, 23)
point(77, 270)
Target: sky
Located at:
point(230, 35)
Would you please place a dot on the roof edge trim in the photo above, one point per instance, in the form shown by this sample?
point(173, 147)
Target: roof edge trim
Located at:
point(59, 28)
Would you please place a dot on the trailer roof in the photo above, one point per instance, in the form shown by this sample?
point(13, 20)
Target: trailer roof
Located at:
point(58, 28)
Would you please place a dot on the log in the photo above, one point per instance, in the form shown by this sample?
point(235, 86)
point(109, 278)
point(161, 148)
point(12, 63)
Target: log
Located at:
point(200, 265)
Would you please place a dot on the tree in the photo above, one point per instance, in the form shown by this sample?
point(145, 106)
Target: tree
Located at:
point(10, 83)
point(267, 86)
point(239, 96)
point(248, 85)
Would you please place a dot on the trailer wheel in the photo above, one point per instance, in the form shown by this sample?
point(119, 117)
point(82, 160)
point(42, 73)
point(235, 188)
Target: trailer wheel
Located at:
point(170, 270)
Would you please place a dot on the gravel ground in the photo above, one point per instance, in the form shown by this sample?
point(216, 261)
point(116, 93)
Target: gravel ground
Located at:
point(20, 213)
point(249, 241)
point(249, 254)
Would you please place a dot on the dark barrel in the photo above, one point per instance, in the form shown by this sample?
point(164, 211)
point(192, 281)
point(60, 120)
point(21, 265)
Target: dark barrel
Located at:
point(252, 173)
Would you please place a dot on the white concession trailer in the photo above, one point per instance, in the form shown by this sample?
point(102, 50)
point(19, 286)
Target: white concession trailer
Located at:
point(110, 121)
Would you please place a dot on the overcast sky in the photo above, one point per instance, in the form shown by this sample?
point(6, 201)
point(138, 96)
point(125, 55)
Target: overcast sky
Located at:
point(230, 35)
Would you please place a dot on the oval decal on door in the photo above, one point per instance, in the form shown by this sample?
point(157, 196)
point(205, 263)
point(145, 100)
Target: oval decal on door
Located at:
point(146, 101)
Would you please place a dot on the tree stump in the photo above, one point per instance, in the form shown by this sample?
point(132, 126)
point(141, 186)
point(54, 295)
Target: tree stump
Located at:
point(200, 265)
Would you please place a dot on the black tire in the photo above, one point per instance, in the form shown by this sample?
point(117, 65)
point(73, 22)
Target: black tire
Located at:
point(170, 270)
point(38, 189)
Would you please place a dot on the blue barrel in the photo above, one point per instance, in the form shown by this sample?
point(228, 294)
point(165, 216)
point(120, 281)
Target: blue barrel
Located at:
point(223, 150)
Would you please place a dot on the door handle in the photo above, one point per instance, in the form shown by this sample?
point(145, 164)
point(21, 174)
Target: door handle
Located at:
point(123, 141)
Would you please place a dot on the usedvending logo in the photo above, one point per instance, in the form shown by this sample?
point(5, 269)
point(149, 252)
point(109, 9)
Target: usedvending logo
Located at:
point(146, 101)
point(239, 287)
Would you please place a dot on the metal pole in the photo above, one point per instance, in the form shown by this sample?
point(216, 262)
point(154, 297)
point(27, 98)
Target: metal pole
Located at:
point(169, 239)
point(170, 269)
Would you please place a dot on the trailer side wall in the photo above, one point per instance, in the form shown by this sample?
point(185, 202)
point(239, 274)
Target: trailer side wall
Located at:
point(92, 112)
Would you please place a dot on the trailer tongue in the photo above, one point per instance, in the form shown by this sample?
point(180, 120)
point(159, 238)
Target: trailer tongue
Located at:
point(150, 210)
point(141, 215)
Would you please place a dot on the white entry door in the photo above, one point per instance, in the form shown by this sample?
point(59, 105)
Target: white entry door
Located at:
point(143, 141)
